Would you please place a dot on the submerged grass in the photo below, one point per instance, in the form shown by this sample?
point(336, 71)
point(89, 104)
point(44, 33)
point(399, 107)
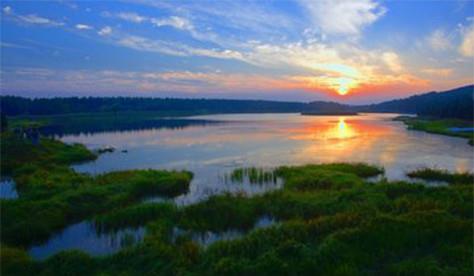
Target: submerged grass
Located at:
point(331, 222)
point(254, 175)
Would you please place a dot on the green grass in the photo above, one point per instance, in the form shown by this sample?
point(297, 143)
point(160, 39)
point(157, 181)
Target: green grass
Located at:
point(17, 152)
point(442, 175)
point(134, 216)
point(26, 221)
point(26, 123)
point(331, 222)
point(439, 126)
point(52, 195)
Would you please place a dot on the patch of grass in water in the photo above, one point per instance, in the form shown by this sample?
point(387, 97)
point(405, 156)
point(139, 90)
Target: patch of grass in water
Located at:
point(220, 213)
point(327, 176)
point(442, 175)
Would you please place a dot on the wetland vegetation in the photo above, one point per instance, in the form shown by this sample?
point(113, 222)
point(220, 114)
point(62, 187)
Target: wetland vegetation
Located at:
point(450, 127)
point(331, 220)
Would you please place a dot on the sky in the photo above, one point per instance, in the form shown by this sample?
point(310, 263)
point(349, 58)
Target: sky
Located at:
point(354, 51)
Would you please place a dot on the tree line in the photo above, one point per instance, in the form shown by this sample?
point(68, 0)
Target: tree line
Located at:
point(456, 103)
point(13, 105)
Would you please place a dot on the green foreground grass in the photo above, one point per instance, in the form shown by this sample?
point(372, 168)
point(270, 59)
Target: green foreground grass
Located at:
point(331, 222)
point(439, 126)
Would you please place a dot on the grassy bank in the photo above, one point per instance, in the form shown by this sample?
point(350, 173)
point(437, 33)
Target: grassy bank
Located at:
point(331, 222)
point(439, 126)
point(18, 152)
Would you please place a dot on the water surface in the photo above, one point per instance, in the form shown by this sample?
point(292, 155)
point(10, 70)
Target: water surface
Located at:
point(211, 151)
point(207, 238)
point(84, 236)
point(8, 189)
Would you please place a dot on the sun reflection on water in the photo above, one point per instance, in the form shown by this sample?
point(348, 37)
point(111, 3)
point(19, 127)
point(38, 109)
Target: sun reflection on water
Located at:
point(344, 131)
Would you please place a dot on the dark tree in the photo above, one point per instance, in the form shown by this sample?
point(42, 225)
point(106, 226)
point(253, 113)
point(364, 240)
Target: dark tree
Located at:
point(3, 122)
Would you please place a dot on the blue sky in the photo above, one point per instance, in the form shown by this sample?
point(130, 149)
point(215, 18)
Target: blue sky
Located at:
point(350, 51)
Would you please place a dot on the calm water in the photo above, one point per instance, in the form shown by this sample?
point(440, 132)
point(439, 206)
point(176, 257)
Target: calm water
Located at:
point(8, 189)
point(83, 236)
point(207, 238)
point(211, 151)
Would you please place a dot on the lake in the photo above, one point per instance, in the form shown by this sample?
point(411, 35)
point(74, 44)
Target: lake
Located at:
point(213, 150)
point(213, 146)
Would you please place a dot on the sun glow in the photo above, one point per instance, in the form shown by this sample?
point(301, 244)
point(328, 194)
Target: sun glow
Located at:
point(343, 85)
point(342, 90)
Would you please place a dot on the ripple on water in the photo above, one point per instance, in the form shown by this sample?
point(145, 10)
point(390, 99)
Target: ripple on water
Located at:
point(208, 237)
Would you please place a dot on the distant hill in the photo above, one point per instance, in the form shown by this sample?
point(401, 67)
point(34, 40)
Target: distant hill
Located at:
point(13, 106)
point(455, 103)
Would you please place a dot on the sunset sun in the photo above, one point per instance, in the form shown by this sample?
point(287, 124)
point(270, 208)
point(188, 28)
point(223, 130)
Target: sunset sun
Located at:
point(342, 90)
point(343, 85)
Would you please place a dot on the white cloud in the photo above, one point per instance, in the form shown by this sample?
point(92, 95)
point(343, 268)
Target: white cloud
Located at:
point(173, 21)
point(319, 63)
point(438, 72)
point(158, 46)
point(36, 79)
point(13, 45)
point(172, 48)
point(176, 22)
point(132, 17)
point(7, 10)
point(105, 31)
point(467, 45)
point(439, 40)
point(393, 61)
point(343, 16)
point(83, 27)
point(38, 20)
point(30, 19)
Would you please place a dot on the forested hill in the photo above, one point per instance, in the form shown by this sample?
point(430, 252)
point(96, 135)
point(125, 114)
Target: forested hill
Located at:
point(455, 103)
point(13, 106)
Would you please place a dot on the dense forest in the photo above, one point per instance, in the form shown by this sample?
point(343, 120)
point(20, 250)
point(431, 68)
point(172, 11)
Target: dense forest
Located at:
point(22, 106)
point(456, 103)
